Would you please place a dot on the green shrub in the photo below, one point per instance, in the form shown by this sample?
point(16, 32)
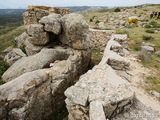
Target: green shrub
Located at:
point(139, 15)
point(3, 67)
point(117, 10)
point(97, 22)
point(149, 31)
point(154, 24)
point(148, 26)
point(22, 47)
point(147, 37)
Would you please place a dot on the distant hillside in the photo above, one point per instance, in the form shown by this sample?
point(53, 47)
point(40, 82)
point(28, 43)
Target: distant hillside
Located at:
point(85, 8)
point(78, 8)
point(11, 11)
point(11, 16)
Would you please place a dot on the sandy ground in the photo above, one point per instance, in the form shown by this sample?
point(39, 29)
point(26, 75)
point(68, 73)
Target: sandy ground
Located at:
point(137, 81)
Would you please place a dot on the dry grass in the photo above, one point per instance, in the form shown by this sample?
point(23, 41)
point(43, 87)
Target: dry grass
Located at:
point(7, 39)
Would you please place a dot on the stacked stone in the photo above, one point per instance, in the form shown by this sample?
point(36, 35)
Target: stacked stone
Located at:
point(57, 53)
point(116, 48)
point(98, 95)
point(101, 94)
point(100, 38)
point(34, 13)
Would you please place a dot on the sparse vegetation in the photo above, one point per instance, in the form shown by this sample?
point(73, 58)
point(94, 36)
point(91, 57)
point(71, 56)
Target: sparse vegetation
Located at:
point(144, 56)
point(117, 10)
point(146, 38)
point(97, 21)
point(61, 113)
point(95, 58)
point(3, 67)
point(23, 48)
point(7, 39)
point(149, 31)
point(153, 83)
point(152, 24)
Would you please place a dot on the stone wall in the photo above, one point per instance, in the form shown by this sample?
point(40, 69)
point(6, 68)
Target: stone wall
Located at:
point(101, 94)
point(56, 54)
point(34, 13)
point(100, 38)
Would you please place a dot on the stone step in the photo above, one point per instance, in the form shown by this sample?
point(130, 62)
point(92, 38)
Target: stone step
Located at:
point(117, 62)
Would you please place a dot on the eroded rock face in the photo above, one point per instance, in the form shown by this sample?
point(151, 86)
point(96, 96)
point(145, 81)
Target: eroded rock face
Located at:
point(36, 83)
point(14, 55)
point(99, 87)
point(102, 94)
point(52, 23)
point(37, 34)
point(39, 94)
point(35, 62)
point(32, 49)
point(115, 49)
point(75, 31)
point(21, 40)
point(100, 38)
point(34, 13)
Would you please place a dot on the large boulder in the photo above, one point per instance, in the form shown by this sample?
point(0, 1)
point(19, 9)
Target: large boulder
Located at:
point(32, 49)
point(37, 34)
point(52, 23)
point(35, 62)
point(147, 48)
point(14, 55)
point(40, 94)
point(20, 41)
point(75, 31)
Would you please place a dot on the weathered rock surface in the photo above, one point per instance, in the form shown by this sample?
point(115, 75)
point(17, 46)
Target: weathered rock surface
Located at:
point(37, 34)
point(36, 84)
point(35, 62)
point(14, 55)
point(100, 38)
point(52, 23)
point(102, 94)
point(20, 41)
point(75, 31)
point(122, 39)
point(39, 94)
point(155, 93)
point(114, 51)
point(101, 85)
point(96, 111)
point(147, 48)
point(34, 13)
point(32, 49)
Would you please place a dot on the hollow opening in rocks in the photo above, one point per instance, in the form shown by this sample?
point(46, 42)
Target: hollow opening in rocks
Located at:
point(96, 57)
point(54, 40)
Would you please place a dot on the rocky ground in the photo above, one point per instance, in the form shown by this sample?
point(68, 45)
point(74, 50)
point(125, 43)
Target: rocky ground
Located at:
point(143, 39)
point(54, 52)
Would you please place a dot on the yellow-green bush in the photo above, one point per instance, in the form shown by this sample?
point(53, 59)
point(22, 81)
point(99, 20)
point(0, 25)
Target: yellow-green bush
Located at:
point(133, 21)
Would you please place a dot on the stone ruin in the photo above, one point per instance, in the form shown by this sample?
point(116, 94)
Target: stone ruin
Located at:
point(101, 94)
point(34, 13)
point(49, 74)
point(57, 52)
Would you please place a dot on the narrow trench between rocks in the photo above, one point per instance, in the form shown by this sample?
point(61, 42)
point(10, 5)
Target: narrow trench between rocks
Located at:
point(96, 56)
